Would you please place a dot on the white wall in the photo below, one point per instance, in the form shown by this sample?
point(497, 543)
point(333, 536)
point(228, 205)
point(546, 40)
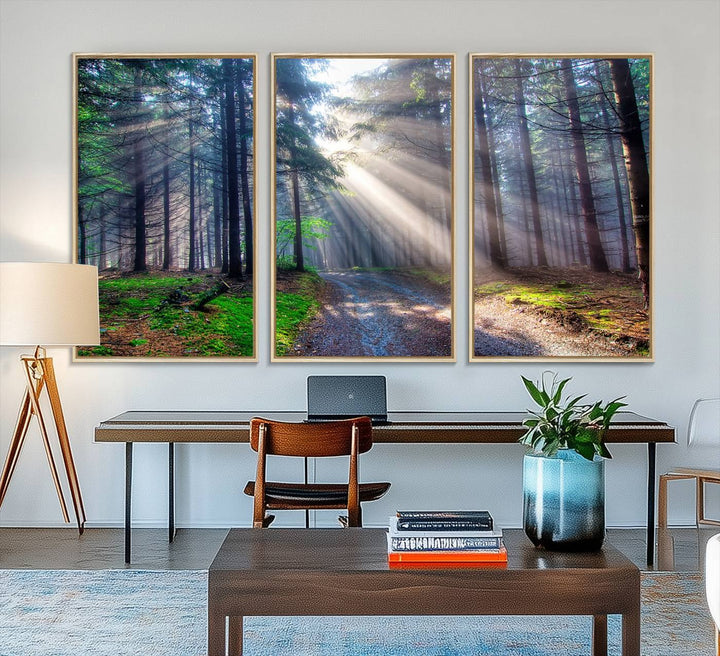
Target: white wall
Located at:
point(38, 38)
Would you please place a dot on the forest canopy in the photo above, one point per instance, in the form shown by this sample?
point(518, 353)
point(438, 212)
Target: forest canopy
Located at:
point(363, 199)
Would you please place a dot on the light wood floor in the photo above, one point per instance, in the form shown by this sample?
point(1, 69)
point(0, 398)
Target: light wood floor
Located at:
point(680, 549)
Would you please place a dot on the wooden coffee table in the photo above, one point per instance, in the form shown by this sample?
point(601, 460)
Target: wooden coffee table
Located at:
point(279, 572)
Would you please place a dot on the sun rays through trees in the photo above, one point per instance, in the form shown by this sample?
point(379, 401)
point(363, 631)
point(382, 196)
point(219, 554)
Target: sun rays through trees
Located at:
point(363, 181)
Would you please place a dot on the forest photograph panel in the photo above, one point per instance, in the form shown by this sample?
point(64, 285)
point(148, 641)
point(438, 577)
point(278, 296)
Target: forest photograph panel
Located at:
point(561, 207)
point(165, 203)
point(363, 206)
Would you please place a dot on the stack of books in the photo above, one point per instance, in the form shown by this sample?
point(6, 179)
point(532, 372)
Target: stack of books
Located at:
point(445, 538)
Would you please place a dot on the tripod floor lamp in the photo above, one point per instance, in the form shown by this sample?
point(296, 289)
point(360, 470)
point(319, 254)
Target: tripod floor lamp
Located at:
point(46, 304)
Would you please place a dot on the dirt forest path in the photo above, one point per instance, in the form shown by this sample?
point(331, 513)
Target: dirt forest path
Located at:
point(371, 313)
point(507, 330)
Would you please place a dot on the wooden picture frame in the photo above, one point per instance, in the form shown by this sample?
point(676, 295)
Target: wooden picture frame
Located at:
point(164, 182)
point(560, 207)
point(363, 207)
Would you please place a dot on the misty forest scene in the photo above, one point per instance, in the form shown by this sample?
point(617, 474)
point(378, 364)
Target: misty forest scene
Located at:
point(363, 206)
point(165, 203)
point(561, 207)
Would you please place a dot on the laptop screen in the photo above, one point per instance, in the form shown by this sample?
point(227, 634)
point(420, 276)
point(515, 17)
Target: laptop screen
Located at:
point(341, 397)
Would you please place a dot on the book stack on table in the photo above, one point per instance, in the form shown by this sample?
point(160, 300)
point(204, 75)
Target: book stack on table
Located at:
point(445, 538)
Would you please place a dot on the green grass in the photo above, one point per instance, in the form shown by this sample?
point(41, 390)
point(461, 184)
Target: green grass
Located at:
point(436, 276)
point(295, 307)
point(558, 297)
point(95, 350)
point(564, 297)
point(149, 281)
point(292, 312)
point(226, 329)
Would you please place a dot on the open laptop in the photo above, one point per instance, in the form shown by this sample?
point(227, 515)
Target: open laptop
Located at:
point(342, 397)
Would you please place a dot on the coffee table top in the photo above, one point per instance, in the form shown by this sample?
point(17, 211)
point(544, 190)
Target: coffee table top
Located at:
point(365, 550)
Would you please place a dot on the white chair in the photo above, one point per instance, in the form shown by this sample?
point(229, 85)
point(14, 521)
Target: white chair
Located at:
point(712, 584)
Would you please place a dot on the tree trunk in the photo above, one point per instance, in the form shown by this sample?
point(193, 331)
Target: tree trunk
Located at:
point(295, 191)
point(217, 201)
point(528, 165)
point(139, 180)
point(220, 287)
point(191, 224)
point(103, 258)
point(234, 254)
point(619, 200)
point(82, 238)
point(200, 259)
point(167, 258)
point(244, 176)
point(495, 175)
point(637, 167)
point(225, 204)
point(483, 155)
point(598, 262)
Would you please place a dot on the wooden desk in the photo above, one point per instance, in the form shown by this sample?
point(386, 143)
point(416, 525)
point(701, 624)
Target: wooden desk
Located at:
point(206, 426)
point(280, 572)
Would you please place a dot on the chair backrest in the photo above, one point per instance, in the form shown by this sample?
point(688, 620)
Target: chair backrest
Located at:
point(704, 423)
point(312, 439)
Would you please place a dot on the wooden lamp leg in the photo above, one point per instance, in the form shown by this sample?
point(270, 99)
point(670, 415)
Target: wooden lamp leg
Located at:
point(64, 440)
point(39, 374)
point(16, 443)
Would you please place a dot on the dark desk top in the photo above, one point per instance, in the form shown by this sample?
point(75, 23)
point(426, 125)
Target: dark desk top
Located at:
point(365, 549)
point(405, 426)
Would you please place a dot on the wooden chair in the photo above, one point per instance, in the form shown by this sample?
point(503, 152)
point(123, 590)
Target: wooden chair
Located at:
point(349, 437)
point(703, 429)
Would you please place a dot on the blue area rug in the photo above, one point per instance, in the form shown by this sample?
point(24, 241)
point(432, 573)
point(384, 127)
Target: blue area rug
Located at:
point(131, 612)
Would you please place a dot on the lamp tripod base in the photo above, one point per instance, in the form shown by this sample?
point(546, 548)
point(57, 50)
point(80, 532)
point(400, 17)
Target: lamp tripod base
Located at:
point(40, 374)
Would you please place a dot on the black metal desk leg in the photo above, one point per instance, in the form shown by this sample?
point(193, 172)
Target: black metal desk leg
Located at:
point(128, 497)
point(307, 512)
point(171, 491)
point(651, 505)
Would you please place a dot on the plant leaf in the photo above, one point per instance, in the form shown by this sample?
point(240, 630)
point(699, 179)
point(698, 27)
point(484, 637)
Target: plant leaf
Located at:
point(558, 392)
point(539, 397)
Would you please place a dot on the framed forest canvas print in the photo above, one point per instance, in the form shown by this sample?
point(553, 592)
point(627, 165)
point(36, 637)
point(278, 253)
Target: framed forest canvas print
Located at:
point(561, 207)
point(165, 207)
point(363, 207)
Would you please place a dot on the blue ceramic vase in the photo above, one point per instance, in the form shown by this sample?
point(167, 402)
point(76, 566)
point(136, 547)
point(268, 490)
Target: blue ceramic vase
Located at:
point(564, 501)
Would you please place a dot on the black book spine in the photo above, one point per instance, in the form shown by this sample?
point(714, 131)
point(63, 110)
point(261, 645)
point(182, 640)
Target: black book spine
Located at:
point(444, 515)
point(446, 525)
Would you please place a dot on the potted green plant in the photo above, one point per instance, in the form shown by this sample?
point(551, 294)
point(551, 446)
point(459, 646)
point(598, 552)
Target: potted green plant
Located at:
point(564, 467)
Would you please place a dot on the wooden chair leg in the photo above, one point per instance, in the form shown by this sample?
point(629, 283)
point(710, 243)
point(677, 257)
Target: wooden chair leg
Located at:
point(699, 501)
point(662, 501)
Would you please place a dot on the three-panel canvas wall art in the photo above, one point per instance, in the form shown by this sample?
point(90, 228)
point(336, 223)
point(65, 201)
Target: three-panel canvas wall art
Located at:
point(363, 207)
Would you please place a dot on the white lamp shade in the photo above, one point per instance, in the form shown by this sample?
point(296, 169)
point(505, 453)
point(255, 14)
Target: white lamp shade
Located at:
point(48, 304)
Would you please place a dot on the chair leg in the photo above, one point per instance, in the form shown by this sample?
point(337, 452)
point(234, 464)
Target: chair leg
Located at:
point(699, 501)
point(662, 501)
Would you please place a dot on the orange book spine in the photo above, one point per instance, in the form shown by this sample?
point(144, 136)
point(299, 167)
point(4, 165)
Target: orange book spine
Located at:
point(487, 556)
point(466, 564)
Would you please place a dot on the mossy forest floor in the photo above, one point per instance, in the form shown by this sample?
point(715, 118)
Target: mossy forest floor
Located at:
point(605, 307)
point(161, 314)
